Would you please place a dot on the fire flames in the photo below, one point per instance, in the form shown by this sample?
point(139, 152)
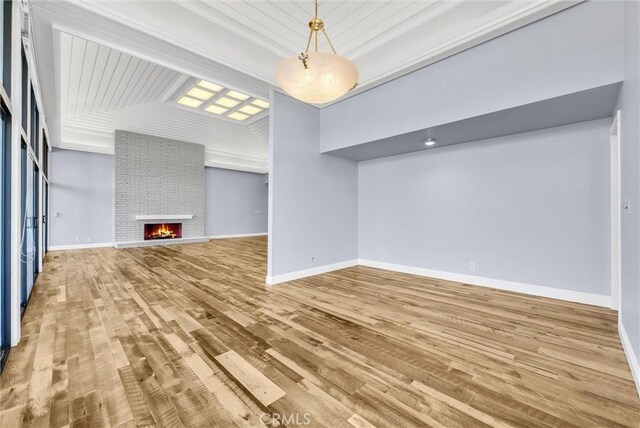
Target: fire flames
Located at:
point(162, 231)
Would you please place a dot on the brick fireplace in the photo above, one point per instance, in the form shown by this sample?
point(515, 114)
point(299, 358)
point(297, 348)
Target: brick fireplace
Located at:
point(158, 181)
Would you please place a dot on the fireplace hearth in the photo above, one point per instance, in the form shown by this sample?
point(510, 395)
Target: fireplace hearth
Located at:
point(154, 231)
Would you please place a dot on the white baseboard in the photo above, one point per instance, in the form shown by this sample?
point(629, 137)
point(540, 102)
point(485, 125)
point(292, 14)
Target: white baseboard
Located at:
point(238, 235)
point(535, 290)
point(285, 277)
point(632, 359)
point(80, 246)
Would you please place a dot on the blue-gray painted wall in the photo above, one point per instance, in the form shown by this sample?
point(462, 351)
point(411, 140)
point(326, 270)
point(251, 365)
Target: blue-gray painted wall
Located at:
point(576, 49)
point(313, 198)
point(530, 208)
point(82, 196)
point(81, 204)
point(235, 202)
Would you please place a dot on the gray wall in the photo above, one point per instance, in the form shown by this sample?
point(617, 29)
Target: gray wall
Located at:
point(236, 202)
point(576, 49)
point(81, 186)
point(629, 104)
point(313, 198)
point(155, 175)
point(530, 208)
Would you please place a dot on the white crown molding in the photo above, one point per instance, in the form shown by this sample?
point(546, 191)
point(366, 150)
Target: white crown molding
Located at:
point(118, 17)
point(518, 287)
point(530, 12)
point(632, 358)
point(84, 140)
point(197, 8)
point(223, 160)
point(403, 34)
point(402, 29)
point(237, 167)
point(213, 160)
point(85, 147)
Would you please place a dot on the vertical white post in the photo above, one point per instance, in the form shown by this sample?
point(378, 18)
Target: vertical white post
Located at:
point(16, 123)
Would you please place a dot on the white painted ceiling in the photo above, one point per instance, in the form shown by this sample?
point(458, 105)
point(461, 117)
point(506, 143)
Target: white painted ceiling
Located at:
point(103, 89)
point(125, 57)
point(383, 37)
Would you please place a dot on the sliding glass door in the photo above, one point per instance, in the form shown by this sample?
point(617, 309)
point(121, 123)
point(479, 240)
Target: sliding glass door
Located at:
point(29, 226)
point(45, 217)
point(35, 210)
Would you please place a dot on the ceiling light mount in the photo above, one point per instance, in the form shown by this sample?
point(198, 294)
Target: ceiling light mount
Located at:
point(317, 77)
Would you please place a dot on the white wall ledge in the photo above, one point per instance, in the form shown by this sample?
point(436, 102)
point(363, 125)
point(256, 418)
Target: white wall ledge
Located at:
point(164, 217)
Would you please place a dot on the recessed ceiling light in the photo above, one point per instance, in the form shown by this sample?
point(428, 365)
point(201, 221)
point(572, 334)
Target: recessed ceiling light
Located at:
point(216, 109)
point(227, 102)
point(249, 109)
point(199, 93)
point(429, 142)
point(238, 95)
point(260, 103)
point(210, 86)
point(237, 116)
point(189, 102)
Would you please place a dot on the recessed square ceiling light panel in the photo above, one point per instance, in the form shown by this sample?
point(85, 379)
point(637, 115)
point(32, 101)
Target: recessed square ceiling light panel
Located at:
point(189, 102)
point(237, 116)
point(237, 95)
point(201, 94)
point(227, 102)
point(216, 109)
point(249, 109)
point(210, 86)
point(213, 99)
point(260, 103)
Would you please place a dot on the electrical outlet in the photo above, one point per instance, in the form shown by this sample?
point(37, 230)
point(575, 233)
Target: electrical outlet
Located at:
point(626, 206)
point(313, 259)
point(472, 266)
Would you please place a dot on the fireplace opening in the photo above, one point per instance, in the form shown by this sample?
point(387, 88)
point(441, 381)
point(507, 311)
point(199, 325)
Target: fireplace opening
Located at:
point(162, 231)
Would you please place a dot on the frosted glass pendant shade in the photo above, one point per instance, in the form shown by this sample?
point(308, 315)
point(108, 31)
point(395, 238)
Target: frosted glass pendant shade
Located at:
point(327, 77)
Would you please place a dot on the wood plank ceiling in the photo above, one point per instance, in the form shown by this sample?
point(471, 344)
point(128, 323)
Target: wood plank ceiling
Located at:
point(103, 89)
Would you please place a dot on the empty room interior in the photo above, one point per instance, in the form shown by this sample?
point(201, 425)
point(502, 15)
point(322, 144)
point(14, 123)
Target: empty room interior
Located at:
point(324, 213)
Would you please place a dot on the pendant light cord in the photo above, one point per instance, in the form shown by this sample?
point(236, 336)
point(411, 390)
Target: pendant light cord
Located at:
point(313, 35)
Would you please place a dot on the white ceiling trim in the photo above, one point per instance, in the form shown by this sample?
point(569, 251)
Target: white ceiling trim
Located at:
point(122, 18)
point(102, 89)
point(530, 13)
point(348, 26)
point(196, 7)
point(102, 142)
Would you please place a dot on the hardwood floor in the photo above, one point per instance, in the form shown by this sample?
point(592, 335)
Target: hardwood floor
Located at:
point(190, 335)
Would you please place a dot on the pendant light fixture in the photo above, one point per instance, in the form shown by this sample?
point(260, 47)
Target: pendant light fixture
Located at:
point(317, 77)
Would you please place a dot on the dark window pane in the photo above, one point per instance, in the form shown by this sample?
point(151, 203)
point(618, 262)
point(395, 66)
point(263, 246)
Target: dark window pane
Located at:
point(5, 35)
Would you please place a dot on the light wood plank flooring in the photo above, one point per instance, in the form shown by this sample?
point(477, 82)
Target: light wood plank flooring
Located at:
point(190, 335)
